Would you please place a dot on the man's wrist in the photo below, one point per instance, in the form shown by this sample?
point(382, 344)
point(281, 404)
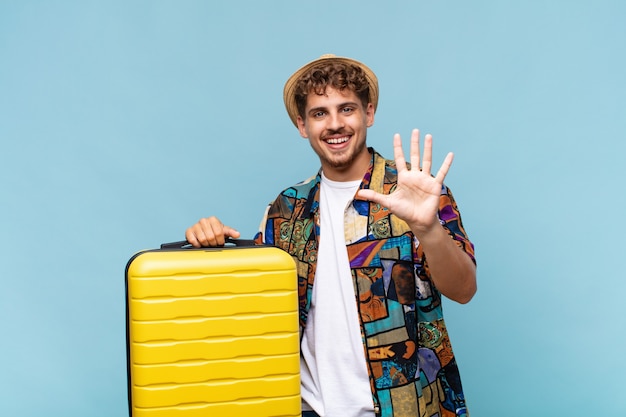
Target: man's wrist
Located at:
point(431, 233)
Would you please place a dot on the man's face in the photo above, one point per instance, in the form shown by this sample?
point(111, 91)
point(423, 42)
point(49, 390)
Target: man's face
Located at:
point(336, 125)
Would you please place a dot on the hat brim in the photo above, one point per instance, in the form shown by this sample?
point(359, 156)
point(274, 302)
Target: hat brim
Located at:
point(289, 92)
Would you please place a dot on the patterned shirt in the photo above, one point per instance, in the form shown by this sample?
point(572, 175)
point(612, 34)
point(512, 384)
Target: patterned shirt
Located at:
point(411, 365)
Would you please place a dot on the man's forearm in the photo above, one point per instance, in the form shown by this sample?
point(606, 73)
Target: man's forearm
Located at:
point(453, 272)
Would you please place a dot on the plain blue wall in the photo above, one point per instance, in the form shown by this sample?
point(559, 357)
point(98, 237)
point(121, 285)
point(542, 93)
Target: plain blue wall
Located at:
point(123, 122)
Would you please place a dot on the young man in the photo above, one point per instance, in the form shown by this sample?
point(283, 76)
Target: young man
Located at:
point(376, 243)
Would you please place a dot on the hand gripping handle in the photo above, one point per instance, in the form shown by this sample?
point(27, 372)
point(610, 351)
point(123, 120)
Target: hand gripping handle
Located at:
point(183, 244)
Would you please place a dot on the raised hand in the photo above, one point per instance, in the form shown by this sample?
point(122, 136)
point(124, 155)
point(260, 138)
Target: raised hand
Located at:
point(416, 197)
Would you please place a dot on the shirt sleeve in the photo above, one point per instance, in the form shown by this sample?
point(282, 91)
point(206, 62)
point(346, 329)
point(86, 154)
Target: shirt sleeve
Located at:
point(450, 219)
point(259, 238)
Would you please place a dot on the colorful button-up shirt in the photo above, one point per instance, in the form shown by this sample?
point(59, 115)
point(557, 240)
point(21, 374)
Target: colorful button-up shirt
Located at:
point(411, 365)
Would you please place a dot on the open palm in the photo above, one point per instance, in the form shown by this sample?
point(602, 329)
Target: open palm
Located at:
point(416, 197)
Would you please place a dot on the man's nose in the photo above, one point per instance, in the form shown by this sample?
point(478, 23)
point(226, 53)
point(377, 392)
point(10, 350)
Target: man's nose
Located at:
point(335, 121)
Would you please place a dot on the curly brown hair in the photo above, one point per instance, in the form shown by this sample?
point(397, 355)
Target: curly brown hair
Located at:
point(337, 75)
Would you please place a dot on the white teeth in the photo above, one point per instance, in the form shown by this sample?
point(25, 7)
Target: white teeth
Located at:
point(337, 140)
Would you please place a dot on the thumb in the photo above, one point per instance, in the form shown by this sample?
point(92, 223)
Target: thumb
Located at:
point(230, 232)
point(370, 195)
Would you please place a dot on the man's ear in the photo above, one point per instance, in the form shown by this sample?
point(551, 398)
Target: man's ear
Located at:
point(369, 114)
point(301, 128)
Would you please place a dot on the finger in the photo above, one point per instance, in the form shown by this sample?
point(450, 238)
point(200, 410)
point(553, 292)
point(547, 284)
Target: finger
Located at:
point(415, 149)
point(210, 232)
point(219, 232)
point(398, 153)
point(427, 161)
point(230, 232)
point(371, 195)
point(216, 238)
point(191, 238)
point(197, 237)
point(445, 167)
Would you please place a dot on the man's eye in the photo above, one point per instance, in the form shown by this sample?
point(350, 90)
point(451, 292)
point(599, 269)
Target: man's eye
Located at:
point(347, 110)
point(318, 114)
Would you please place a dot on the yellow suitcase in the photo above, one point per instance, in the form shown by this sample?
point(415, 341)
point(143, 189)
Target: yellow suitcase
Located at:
point(212, 332)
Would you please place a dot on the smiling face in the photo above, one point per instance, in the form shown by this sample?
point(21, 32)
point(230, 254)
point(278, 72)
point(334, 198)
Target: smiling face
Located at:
point(335, 123)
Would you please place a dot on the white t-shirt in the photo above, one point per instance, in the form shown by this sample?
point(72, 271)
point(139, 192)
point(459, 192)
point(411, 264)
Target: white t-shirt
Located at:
point(335, 381)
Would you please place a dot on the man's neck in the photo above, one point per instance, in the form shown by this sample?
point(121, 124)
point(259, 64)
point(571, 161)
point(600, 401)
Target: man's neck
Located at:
point(354, 172)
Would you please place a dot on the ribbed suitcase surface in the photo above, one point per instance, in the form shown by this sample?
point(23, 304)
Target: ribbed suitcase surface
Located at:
point(213, 333)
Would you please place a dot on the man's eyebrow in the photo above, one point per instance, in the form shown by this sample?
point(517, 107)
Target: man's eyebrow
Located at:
point(340, 105)
point(315, 109)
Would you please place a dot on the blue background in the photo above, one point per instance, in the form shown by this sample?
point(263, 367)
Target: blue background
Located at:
point(124, 122)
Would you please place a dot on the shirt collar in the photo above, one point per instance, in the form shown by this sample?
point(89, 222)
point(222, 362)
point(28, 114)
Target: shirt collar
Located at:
point(373, 179)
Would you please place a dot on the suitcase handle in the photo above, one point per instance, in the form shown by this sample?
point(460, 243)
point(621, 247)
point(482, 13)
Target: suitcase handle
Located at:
point(183, 244)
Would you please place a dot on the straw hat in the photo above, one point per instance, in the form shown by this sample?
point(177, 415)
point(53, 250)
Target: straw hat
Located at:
point(289, 95)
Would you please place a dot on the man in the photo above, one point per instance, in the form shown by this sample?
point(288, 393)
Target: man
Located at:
point(376, 243)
